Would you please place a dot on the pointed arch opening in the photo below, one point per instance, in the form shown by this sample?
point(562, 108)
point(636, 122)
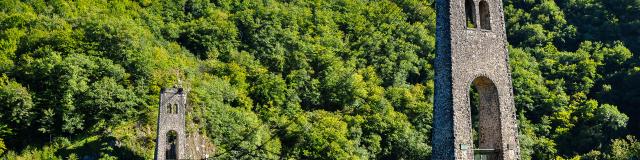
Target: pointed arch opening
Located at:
point(485, 15)
point(175, 109)
point(485, 119)
point(470, 14)
point(171, 151)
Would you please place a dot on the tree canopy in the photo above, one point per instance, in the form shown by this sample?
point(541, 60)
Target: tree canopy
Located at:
point(302, 79)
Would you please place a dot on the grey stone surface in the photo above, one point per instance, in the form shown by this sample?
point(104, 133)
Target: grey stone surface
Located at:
point(171, 117)
point(472, 57)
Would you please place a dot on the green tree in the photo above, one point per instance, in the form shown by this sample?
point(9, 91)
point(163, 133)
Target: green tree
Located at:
point(17, 106)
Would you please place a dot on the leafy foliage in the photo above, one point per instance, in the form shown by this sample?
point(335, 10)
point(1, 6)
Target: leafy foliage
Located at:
point(302, 79)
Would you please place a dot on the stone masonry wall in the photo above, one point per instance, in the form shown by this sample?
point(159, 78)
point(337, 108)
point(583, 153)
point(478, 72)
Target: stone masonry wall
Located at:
point(170, 119)
point(467, 57)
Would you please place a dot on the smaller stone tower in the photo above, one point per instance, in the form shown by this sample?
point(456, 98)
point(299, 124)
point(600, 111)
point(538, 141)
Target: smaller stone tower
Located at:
point(171, 124)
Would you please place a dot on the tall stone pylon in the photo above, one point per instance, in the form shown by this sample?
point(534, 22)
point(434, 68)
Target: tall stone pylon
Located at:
point(170, 143)
point(472, 52)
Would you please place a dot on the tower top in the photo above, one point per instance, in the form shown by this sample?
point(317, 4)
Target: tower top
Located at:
point(175, 90)
point(471, 15)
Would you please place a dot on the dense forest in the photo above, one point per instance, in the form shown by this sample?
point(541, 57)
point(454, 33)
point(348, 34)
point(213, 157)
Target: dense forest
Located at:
point(302, 79)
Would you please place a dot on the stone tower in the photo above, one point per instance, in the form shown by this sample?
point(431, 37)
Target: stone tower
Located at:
point(472, 52)
point(170, 143)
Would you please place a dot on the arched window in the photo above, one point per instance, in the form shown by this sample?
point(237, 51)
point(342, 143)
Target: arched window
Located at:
point(470, 14)
point(169, 109)
point(171, 147)
point(485, 15)
point(485, 118)
point(175, 108)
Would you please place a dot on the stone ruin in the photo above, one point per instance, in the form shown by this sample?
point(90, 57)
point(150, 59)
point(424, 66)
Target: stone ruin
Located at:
point(171, 137)
point(472, 52)
point(173, 141)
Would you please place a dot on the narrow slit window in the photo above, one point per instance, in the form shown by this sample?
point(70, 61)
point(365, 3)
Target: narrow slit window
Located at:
point(469, 9)
point(175, 108)
point(485, 15)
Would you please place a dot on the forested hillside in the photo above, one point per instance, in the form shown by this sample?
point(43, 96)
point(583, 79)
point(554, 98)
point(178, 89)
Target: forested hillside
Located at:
point(302, 79)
